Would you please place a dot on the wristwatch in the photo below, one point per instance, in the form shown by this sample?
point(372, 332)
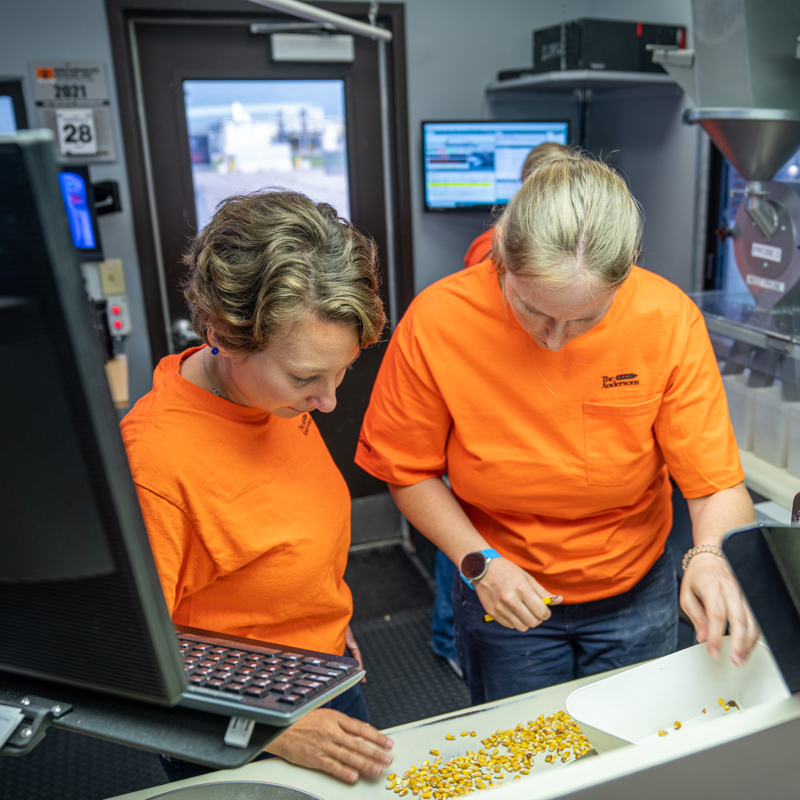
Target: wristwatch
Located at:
point(475, 564)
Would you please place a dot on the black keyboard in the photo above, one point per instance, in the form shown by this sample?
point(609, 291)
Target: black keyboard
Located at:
point(259, 680)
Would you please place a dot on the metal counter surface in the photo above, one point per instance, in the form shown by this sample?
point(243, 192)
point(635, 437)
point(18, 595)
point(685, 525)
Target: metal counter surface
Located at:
point(759, 748)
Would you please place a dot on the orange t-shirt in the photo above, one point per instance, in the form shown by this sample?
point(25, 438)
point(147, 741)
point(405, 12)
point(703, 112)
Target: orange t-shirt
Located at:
point(558, 459)
point(248, 516)
point(480, 249)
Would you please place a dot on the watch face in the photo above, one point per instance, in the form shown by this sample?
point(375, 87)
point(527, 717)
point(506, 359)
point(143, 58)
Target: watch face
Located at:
point(473, 565)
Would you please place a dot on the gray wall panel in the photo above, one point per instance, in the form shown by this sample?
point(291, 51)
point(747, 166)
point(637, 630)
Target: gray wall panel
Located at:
point(37, 30)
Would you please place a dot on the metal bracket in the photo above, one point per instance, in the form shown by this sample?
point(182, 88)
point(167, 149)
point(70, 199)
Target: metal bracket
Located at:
point(39, 712)
point(778, 343)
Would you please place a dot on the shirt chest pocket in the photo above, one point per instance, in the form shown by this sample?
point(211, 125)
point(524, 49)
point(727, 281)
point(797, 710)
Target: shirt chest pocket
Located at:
point(620, 441)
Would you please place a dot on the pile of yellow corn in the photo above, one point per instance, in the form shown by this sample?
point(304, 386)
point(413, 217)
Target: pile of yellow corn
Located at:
point(556, 736)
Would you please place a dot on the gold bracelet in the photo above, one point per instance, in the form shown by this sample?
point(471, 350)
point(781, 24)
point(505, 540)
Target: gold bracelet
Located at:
point(701, 548)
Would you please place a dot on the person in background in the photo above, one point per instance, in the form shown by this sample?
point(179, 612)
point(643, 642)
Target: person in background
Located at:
point(480, 249)
point(558, 386)
point(248, 516)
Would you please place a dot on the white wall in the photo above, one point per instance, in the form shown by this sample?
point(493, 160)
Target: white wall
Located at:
point(454, 48)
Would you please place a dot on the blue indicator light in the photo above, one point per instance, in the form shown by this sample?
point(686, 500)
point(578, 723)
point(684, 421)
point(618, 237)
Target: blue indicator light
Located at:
point(73, 190)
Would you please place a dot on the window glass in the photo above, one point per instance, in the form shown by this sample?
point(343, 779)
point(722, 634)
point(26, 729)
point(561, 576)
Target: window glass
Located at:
point(248, 135)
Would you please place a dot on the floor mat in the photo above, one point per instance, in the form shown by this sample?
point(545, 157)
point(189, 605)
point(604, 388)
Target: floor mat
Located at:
point(384, 580)
point(406, 681)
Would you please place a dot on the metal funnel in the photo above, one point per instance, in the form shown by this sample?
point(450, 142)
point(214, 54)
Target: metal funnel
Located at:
point(757, 141)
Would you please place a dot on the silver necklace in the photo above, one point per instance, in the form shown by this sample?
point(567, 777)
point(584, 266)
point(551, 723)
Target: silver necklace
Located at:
point(203, 359)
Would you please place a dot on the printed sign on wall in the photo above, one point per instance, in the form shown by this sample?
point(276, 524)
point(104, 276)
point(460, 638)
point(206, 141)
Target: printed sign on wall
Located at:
point(72, 100)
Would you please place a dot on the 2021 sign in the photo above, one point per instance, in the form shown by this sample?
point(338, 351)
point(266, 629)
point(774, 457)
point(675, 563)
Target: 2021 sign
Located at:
point(72, 99)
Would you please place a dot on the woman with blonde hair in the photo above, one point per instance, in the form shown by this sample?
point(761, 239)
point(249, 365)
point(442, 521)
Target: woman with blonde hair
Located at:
point(559, 386)
point(247, 515)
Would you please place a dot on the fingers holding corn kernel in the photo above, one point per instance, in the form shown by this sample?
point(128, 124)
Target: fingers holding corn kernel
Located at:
point(557, 736)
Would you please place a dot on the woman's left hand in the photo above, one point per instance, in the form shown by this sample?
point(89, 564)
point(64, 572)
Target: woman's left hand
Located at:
point(711, 598)
point(331, 742)
point(352, 646)
point(710, 594)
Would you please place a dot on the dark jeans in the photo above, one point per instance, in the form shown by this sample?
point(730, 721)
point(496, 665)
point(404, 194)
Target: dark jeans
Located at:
point(578, 640)
point(350, 702)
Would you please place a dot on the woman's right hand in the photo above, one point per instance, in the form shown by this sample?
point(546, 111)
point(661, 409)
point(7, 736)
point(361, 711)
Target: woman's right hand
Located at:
point(332, 742)
point(512, 596)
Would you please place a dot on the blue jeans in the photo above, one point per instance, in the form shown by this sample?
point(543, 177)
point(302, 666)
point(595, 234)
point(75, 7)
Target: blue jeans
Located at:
point(350, 702)
point(442, 640)
point(578, 640)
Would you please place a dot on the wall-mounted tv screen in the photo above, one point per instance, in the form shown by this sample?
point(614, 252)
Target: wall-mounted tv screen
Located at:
point(477, 165)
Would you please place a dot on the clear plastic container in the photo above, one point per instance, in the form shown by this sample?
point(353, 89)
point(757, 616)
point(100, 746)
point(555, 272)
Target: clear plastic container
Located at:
point(742, 408)
point(793, 457)
point(771, 435)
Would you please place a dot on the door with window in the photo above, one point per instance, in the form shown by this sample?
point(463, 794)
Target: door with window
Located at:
point(215, 115)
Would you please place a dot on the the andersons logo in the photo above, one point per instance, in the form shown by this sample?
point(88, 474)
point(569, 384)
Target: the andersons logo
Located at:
point(305, 424)
point(625, 379)
point(362, 441)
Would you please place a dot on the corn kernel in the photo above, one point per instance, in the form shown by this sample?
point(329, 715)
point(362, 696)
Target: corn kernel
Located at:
point(450, 737)
point(663, 733)
point(677, 726)
point(464, 774)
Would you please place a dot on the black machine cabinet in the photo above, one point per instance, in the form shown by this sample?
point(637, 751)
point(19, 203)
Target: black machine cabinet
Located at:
point(603, 44)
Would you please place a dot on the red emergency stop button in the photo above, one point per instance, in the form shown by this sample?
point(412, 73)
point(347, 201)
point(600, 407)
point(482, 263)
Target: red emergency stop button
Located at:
point(116, 310)
point(117, 323)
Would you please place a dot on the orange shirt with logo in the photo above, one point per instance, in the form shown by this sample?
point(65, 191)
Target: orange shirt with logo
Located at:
point(248, 516)
point(559, 459)
point(480, 249)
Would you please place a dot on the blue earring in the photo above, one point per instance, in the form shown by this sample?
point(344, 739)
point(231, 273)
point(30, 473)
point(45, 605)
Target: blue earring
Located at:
point(214, 351)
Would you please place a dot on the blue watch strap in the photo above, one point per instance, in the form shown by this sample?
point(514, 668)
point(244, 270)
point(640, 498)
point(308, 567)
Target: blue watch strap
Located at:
point(489, 553)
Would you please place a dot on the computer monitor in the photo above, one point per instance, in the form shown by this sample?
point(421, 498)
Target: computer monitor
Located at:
point(79, 589)
point(477, 165)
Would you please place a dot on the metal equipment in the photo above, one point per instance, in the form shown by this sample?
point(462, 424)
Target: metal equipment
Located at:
point(744, 75)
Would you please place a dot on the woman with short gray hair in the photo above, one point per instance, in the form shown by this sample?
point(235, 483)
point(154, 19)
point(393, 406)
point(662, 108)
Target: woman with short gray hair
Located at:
point(248, 516)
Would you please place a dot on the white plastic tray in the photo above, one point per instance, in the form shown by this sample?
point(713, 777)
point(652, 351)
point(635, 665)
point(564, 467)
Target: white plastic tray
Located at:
point(632, 707)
